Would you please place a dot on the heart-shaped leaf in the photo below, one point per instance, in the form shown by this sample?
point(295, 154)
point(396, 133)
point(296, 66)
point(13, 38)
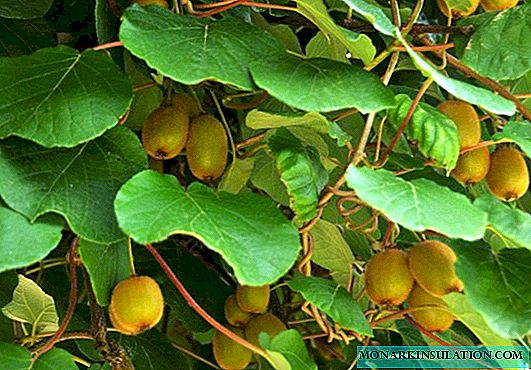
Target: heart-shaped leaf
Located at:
point(288, 351)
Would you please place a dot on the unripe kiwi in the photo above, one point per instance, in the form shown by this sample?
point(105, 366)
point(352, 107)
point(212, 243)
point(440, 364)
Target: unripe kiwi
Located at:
point(508, 177)
point(432, 264)
point(228, 354)
point(432, 319)
point(136, 305)
point(162, 3)
point(186, 103)
point(267, 323)
point(387, 278)
point(456, 12)
point(493, 5)
point(472, 167)
point(165, 132)
point(234, 314)
point(207, 147)
point(253, 299)
point(465, 118)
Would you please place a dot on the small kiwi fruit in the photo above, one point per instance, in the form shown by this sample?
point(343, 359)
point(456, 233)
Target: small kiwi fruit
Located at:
point(234, 314)
point(165, 132)
point(162, 3)
point(136, 305)
point(267, 323)
point(457, 12)
point(494, 5)
point(431, 263)
point(228, 354)
point(207, 148)
point(431, 319)
point(253, 299)
point(508, 176)
point(472, 167)
point(187, 103)
point(387, 277)
point(465, 118)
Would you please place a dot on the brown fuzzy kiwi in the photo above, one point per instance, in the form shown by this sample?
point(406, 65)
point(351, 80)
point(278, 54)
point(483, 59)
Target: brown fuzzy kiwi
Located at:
point(187, 103)
point(494, 5)
point(508, 176)
point(432, 319)
point(228, 354)
point(267, 323)
point(136, 305)
point(165, 132)
point(465, 118)
point(456, 12)
point(253, 299)
point(234, 314)
point(472, 167)
point(387, 278)
point(432, 264)
point(162, 3)
point(207, 148)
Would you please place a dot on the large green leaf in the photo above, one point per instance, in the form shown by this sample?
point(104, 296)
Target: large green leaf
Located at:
point(23, 243)
point(55, 359)
point(13, 357)
point(419, 204)
point(23, 37)
point(435, 133)
point(243, 228)
point(8, 283)
point(79, 183)
point(499, 47)
point(321, 85)
point(23, 9)
point(373, 14)
point(190, 50)
point(322, 47)
point(106, 264)
point(519, 132)
point(59, 97)
point(334, 300)
point(509, 223)
point(288, 346)
point(503, 294)
point(481, 97)
point(265, 177)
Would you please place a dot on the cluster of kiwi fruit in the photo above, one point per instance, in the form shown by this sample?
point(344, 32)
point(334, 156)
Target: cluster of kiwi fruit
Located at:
point(488, 5)
point(504, 171)
point(179, 124)
point(421, 277)
point(246, 312)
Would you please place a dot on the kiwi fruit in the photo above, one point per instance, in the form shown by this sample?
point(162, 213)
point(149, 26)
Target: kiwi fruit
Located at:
point(162, 3)
point(432, 264)
point(234, 314)
point(136, 305)
point(431, 319)
point(493, 5)
point(465, 118)
point(267, 323)
point(457, 12)
point(187, 103)
point(207, 148)
point(253, 299)
point(387, 278)
point(228, 354)
point(165, 132)
point(472, 167)
point(508, 176)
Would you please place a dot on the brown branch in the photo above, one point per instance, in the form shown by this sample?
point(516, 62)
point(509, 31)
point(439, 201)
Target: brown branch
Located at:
point(417, 29)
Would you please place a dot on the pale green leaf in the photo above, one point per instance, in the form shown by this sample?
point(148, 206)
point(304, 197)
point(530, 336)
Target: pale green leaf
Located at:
point(322, 47)
point(266, 178)
point(288, 346)
point(282, 32)
point(374, 14)
point(519, 132)
point(236, 175)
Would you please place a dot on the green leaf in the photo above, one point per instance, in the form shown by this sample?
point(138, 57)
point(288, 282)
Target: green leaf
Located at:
point(106, 264)
point(434, 132)
point(236, 175)
point(13, 357)
point(190, 50)
point(266, 178)
point(481, 97)
point(359, 45)
point(472, 319)
point(24, 10)
point(519, 132)
point(334, 300)
point(55, 359)
point(374, 14)
point(509, 223)
point(418, 205)
point(59, 97)
point(23, 243)
point(503, 294)
point(243, 228)
point(321, 47)
point(288, 346)
point(321, 85)
point(24, 37)
point(282, 32)
point(8, 283)
point(78, 183)
point(32, 306)
point(499, 47)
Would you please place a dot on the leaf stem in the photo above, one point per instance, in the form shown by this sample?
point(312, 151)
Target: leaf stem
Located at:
point(108, 45)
